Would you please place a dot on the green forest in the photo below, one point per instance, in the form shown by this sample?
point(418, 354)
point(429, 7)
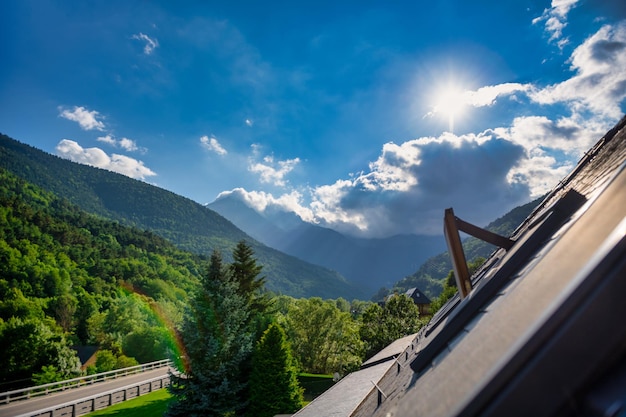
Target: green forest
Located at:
point(69, 278)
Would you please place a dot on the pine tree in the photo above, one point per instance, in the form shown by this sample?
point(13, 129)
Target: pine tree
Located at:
point(218, 344)
point(246, 272)
point(274, 387)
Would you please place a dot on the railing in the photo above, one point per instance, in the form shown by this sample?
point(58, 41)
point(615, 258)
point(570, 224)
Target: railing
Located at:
point(20, 394)
point(99, 401)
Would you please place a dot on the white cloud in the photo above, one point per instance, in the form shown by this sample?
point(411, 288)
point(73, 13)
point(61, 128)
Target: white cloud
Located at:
point(271, 171)
point(128, 144)
point(151, 44)
point(262, 201)
point(96, 157)
point(213, 145)
point(453, 101)
point(124, 143)
point(410, 184)
point(555, 19)
point(540, 172)
point(249, 123)
point(88, 120)
point(108, 139)
point(567, 135)
point(486, 96)
point(599, 83)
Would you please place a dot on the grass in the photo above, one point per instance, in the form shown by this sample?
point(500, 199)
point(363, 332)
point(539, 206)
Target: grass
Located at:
point(314, 385)
point(155, 403)
point(148, 405)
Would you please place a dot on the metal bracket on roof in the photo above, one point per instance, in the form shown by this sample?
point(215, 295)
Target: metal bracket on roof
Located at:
point(381, 394)
point(451, 227)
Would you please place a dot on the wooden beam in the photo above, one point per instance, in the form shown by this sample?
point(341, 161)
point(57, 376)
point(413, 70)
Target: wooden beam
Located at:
point(457, 256)
point(484, 235)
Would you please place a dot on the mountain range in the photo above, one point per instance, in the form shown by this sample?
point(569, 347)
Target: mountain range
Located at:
point(187, 224)
point(373, 263)
point(299, 259)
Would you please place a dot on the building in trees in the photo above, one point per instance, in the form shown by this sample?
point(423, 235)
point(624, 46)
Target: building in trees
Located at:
point(421, 301)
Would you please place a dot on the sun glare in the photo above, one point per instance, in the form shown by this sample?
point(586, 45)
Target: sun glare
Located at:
point(450, 104)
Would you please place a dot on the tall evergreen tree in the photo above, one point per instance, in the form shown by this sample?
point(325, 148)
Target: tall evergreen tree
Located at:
point(274, 387)
point(219, 343)
point(246, 272)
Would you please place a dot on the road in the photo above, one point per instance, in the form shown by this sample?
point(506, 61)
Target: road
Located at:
point(45, 401)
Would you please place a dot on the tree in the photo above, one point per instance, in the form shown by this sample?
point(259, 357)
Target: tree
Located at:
point(449, 286)
point(218, 342)
point(324, 339)
point(382, 325)
point(245, 271)
point(147, 344)
point(274, 387)
point(31, 344)
point(47, 375)
point(105, 361)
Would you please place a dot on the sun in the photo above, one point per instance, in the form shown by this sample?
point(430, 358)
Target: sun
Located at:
point(450, 103)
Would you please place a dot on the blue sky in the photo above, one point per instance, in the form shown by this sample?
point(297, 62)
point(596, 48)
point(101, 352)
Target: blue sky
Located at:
point(368, 117)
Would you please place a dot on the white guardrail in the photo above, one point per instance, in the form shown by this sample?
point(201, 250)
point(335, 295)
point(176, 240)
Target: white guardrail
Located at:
point(30, 392)
point(96, 402)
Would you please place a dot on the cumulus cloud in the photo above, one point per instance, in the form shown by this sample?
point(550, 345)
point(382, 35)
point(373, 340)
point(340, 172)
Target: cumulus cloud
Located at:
point(599, 81)
point(261, 201)
point(151, 44)
point(271, 171)
point(407, 188)
point(213, 145)
point(453, 101)
point(555, 19)
point(410, 184)
point(87, 120)
point(96, 157)
point(570, 135)
point(108, 139)
point(539, 172)
point(486, 96)
point(124, 143)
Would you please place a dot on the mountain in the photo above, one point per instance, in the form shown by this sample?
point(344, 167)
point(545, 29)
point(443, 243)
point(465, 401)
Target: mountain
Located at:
point(372, 263)
point(430, 276)
point(187, 224)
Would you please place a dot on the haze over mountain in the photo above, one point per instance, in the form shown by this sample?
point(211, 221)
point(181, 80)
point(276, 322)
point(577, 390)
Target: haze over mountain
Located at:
point(373, 263)
point(187, 224)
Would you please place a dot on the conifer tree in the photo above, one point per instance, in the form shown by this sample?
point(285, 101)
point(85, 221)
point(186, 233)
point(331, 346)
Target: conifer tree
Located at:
point(246, 272)
point(219, 343)
point(274, 387)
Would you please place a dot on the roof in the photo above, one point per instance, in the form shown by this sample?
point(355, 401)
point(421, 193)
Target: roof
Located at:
point(343, 398)
point(393, 350)
point(417, 296)
point(541, 333)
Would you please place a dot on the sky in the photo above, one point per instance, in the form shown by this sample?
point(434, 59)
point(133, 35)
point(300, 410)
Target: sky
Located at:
point(368, 117)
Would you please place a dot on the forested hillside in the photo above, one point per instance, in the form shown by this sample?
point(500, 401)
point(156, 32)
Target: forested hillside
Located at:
point(431, 275)
point(70, 278)
point(189, 225)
